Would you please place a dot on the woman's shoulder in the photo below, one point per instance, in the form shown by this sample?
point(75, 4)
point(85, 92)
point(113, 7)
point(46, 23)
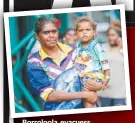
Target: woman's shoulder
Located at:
point(34, 55)
point(34, 58)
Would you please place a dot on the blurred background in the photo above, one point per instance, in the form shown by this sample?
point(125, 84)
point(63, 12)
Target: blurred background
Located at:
point(23, 43)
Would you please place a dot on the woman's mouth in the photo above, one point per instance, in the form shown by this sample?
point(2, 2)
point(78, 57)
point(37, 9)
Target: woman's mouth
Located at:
point(52, 41)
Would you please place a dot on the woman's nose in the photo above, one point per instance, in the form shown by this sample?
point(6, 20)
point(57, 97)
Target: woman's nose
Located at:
point(51, 34)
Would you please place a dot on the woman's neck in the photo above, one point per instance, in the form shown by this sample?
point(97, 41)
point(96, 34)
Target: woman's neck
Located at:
point(54, 52)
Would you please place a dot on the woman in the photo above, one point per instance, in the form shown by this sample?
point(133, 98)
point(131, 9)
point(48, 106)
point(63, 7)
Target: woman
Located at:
point(115, 92)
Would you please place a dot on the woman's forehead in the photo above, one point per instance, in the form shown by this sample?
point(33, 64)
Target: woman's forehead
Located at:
point(48, 26)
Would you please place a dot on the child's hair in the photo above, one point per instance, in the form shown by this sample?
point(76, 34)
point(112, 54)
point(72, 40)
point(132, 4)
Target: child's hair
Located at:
point(116, 26)
point(40, 22)
point(86, 19)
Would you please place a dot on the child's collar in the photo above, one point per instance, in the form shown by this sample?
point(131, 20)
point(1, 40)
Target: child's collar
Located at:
point(90, 43)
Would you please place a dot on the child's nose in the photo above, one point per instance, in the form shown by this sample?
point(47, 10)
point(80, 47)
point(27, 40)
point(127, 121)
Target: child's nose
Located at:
point(84, 31)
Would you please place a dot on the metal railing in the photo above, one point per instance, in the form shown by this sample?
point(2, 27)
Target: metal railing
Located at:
point(28, 41)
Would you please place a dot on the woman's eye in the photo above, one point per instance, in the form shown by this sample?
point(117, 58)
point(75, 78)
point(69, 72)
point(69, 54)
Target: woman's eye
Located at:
point(54, 31)
point(46, 32)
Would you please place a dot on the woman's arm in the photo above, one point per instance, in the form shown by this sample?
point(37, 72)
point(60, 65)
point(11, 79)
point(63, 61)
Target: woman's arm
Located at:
point(42, 85)
point(58, 96)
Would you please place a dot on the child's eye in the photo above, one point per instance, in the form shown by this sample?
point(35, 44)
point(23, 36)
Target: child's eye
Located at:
point(88, 29)
point(80, 30)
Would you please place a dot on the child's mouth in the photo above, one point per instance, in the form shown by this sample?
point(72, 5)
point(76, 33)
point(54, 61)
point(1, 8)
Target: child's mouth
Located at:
point(85, 37)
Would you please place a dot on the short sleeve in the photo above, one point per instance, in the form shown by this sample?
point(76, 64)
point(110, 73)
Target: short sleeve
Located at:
point(39, 80)
point(102, 56)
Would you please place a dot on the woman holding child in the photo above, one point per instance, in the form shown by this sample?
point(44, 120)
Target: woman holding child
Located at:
point(50, 62)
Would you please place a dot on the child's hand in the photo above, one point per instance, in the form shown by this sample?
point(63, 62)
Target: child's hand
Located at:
point(104, 84)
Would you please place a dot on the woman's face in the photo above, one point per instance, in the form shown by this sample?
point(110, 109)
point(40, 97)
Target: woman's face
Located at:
point(48, 36)
point(112, 37)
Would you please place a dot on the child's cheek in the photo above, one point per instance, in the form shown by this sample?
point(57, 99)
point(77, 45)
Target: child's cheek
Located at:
point(79, 36)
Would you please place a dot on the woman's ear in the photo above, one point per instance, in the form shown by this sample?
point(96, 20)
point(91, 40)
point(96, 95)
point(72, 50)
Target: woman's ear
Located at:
point(37, 37)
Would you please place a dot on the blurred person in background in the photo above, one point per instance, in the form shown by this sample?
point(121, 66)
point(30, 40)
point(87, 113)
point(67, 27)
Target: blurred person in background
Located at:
point(70, 37)
point(115, 92)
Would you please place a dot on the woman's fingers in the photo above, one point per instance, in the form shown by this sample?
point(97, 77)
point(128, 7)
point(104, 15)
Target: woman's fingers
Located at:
point(86, 88)
point(93, 85)
point(89, 87)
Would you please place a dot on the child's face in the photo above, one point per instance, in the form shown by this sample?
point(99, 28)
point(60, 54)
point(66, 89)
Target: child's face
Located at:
point(48, 36)
point(85, 31)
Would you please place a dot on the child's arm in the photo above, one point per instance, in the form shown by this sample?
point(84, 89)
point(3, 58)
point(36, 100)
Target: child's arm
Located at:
point(104, 63)
point(107, 78)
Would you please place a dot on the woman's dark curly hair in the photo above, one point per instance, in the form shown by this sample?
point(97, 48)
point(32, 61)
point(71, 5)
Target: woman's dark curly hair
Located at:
point(42, 21)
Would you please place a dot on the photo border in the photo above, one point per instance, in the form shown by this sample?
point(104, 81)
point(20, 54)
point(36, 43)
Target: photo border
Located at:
point(121, 7)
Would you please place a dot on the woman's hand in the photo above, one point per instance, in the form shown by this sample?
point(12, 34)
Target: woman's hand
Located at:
point(90, 96)
point(92, 85)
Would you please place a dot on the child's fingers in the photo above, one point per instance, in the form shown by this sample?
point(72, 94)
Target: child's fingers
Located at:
point(105, 83)
point(104, 87)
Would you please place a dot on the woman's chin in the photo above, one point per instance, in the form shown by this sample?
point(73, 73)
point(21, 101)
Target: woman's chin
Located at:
point(52, 45)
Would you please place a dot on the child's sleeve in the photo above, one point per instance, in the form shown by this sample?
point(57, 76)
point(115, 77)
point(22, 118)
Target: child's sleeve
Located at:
point(102, 56)
point(39, 81)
